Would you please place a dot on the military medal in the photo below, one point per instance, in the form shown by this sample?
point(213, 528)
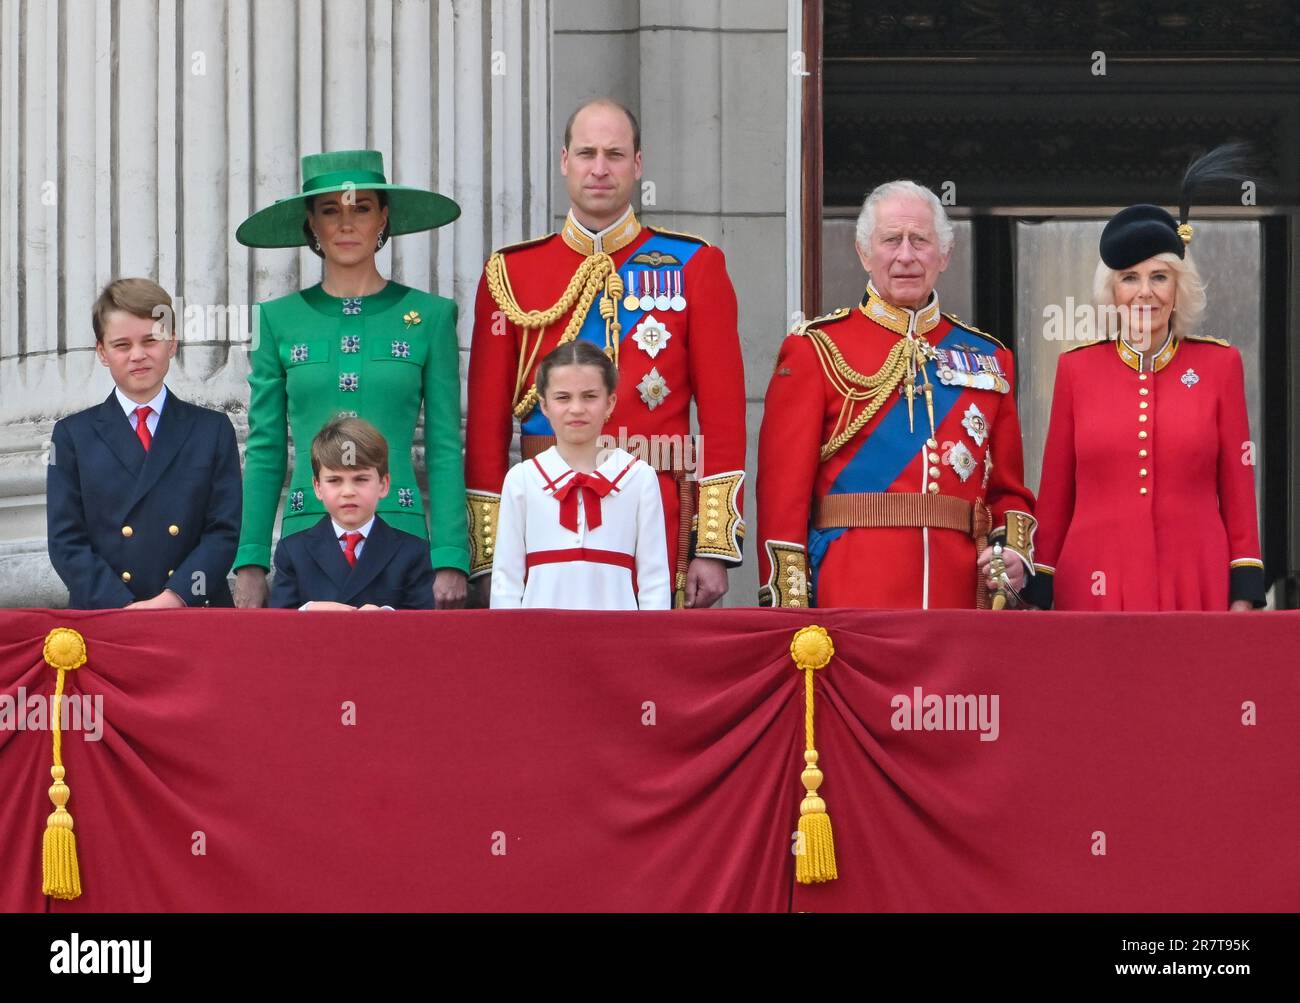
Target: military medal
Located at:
point(962, 366)
point(662, 299)
point(678, 302)
point(653, 389)
point(631, 301)
point(651, 336)
point(961, 460)
point(976, 424)
point(647, 301)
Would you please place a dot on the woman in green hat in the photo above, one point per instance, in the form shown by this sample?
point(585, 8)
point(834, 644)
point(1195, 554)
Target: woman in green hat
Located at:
point(354, 344)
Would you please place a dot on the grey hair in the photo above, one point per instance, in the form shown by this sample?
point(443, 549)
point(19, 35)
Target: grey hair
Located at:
point(867, 218)
point(1189, 291)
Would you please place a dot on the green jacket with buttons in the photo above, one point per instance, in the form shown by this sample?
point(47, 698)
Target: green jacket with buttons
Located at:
point(316, 356)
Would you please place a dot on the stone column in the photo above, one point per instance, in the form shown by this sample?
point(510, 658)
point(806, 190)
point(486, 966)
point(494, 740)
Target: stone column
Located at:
point(135, 136)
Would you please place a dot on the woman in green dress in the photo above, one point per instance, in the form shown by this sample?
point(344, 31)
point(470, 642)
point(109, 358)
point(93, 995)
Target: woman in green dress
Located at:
point(354, 344)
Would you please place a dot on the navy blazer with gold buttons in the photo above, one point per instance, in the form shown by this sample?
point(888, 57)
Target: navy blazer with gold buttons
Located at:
point(124, 524)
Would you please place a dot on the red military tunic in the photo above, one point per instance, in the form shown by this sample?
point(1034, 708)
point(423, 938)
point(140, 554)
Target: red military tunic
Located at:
point(1148, 487)
point(677, 342)
point(862, 526)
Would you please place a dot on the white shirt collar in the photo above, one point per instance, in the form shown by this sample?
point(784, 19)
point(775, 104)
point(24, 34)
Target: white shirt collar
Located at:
point(129, 406)
point(363, 530)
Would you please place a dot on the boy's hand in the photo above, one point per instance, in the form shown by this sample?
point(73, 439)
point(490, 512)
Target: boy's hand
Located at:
point(250, 587)
point(318, 607)
point(166, 599)
point(449, 589)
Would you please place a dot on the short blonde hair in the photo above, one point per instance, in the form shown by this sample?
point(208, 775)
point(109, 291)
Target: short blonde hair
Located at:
point(1189, 292)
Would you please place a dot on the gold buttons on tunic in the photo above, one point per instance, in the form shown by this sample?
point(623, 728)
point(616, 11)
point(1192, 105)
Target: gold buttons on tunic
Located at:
point(934, 458)
point(1142, 434)
point(934, 471)
point(933, 489)
point(1143, 392)
point(1142, 417)
point(1142, 453)
point(171, 572)
point(174, 530)
point(1142, 377)
point(126, 576)
point(128, 532)
point(1142, 491)
point(1142, 472)
point(1143, 405)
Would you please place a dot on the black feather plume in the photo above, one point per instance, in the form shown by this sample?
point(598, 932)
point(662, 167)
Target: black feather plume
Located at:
point(1227, 162)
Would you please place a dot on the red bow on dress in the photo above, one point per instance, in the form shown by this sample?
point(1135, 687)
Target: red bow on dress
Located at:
point(592, 487)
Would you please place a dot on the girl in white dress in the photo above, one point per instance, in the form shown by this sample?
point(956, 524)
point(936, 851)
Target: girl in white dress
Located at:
point(581, 526)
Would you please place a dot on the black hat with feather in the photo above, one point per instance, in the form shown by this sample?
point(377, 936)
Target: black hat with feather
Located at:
point(1143, 231)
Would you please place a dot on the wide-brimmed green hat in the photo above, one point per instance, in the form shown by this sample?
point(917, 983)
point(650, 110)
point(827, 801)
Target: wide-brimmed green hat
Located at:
point(409, 209)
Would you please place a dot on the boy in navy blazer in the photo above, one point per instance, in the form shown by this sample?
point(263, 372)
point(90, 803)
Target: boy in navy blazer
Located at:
point(351, 559)
point(142, 491)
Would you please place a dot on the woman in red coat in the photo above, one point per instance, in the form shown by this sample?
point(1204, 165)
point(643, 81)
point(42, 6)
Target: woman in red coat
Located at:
point(1147, 499)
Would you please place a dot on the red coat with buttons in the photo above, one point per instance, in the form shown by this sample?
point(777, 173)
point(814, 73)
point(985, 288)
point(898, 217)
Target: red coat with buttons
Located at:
point(1148, 488)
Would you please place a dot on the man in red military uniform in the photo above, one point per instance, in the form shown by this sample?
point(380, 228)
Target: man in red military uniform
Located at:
point(890, 455)
point(661, 305)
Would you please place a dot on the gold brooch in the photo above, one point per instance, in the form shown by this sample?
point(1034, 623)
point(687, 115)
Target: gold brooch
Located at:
point(412, 318)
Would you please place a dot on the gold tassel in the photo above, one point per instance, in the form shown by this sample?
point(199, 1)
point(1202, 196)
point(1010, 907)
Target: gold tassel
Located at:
point(811, 650)
point(65, 650)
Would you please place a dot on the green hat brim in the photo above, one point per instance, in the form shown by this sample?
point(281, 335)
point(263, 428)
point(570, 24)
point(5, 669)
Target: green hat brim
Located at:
point(410, 210)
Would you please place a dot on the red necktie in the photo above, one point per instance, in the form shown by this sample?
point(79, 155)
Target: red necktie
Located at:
point(351, 539)
point(142, 426)
point(592, 487)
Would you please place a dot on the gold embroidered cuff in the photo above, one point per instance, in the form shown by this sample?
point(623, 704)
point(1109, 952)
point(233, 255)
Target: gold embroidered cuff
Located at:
point(1018, 535)
point(787, 584)
point(720, 528)
point(482, 510)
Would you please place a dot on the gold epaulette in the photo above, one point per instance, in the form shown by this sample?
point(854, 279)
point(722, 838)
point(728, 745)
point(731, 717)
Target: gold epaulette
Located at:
point(1207, 338)
point(971, 327)
point(1085, 344)
point(678, 233)
point(525, 243)
point(838, 314)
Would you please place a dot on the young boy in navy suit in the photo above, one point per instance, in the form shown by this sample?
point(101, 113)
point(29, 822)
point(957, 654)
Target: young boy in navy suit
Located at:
point(351, 559)
point(142, 491)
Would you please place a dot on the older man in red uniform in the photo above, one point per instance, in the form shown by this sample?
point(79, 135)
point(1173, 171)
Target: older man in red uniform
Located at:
point(662, 306)
point(890, 454)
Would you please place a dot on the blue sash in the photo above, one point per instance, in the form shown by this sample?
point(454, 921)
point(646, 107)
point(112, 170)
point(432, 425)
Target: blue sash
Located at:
point(593, 326)
point(885, 454)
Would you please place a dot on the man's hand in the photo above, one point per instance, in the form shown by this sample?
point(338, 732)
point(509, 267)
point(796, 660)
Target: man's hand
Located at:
point(320, 606)
point(1241, 606)
point(250, 587)
point(706, 582)
point(166, 599)
point(1015, 568)
point(449, 589)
